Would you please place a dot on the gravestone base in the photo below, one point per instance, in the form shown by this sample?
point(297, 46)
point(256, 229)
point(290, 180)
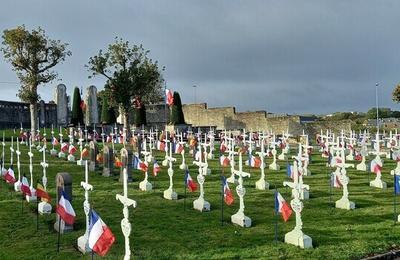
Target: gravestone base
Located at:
point(274, 167)
point(201, 205)
point(80, 162)
point(61, 155)
point(145, 186)
point(38, 147)
point(83, 245)
point(71, 158)
point(31, 198)
point(53, 152)
point(388, 156)
point(170, 195)
point(282, 157)
point(349, 157)
point(183, 166)
point(262, 185)
point(106, 172)
point(344, 203)
point(324, 156)
point(208, 172)
point(22, 142)
point(44, 208)
point(298, 238)
point(17, 186)
point(304, 194)
point(64, 228)
point(210, 156)
point(378, 183)
point(241, 220)
point(361, 167)
point(232, 179)
point(398, 218)
point(33, 145)
point(92, 166)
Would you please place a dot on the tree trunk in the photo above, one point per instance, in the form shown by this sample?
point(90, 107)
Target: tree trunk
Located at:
point(33, 110)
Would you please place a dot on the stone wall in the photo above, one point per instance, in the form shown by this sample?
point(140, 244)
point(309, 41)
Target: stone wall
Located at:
point(12, 114)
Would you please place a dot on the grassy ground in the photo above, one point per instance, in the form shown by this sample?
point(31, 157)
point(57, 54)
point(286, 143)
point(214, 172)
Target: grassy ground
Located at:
point(163, 230)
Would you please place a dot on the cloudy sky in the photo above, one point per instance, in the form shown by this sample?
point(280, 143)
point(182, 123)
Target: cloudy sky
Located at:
point(280, 56)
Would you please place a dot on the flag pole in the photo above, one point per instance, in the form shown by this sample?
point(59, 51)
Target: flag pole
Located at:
point(222, 188)
point(394, 199)
point(184, 198)
point(276, 218)
point(22, 203)
point(37, 213)
point(59, 234)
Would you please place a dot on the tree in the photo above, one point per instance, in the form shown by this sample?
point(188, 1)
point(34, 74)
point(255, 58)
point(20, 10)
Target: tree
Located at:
point(107, 113)
point(383, 113)
point(396, 94)
point(77, 106)
point(32, 55)
point(130, 73)
point(176, 116)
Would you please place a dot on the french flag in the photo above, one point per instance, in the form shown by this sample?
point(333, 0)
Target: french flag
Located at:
point(161, 146)
point(65, 211)
point(228, 195)
point(156, 168)
point(281, 206)
point(375, 166)
point(169, 98)
point(64, 147)
point(100, 236)
point(85, 152)
point(224, 161)
point(222, 148)
point(9, 176)
point(25, 187)
point(109, 139)
point(255, 162)
point(178, 148)
point(71, 149)
point(139, 164)
point(54, 141)
point(191, 185)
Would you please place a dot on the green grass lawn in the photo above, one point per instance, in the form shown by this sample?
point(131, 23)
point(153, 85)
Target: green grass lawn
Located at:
point(163, 230)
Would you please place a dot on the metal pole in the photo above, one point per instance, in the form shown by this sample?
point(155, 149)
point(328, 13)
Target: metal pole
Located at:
point(377, 107)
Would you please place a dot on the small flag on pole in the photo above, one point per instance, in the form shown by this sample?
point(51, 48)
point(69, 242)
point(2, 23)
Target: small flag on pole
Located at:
point(100, 236)
point(281, 206)
point(65, 211)
point(191, 185)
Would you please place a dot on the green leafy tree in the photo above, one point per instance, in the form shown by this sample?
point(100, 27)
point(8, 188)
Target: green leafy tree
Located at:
point(130, 73)
point(176, 113)
point(107, 113)
point(396, 94)
point(383, 113)
point(77, 113)
point(32, 55)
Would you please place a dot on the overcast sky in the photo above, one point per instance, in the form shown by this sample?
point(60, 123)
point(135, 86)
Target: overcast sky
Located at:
point(280, 56)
